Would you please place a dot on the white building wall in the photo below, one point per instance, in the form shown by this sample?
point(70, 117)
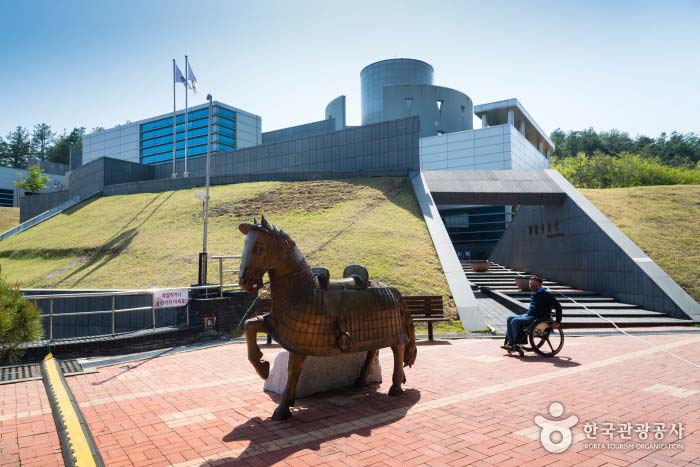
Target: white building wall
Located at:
point(120, 142)
point(500, 147)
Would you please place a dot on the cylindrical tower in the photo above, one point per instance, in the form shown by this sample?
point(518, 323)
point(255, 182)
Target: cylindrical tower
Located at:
point(389, 72)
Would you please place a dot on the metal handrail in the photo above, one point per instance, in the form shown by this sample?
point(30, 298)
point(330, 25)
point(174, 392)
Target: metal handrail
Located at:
point(221, 259)
point(114, 295)
point(120, 293)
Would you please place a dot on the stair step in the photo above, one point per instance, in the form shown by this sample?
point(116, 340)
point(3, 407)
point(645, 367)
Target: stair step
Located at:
point(638, 313)
point(593, 306)
point(576, 293)
point(585, 322)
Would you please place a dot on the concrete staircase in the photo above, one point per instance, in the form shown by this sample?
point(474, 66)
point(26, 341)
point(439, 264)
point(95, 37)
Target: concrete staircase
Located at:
point(499, 283)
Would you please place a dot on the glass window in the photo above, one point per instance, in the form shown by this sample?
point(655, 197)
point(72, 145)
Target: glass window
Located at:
point(226, 131)
point(226, 139)
point(225, 112)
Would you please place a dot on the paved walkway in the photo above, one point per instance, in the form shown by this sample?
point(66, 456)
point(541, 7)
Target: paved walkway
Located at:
point(27, 429)
point(465, 404)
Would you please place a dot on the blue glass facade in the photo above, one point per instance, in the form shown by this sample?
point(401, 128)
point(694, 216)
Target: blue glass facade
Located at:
point(156, 137)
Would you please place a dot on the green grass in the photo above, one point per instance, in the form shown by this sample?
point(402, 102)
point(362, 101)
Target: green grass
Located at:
point(152, 239)
point(9, 217)
point(664, 221)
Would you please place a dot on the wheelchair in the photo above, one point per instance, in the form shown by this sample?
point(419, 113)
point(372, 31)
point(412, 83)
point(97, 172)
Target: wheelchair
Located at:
point(544, 337)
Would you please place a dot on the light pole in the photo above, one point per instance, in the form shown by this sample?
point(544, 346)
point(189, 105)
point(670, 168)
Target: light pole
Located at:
point(203, 254)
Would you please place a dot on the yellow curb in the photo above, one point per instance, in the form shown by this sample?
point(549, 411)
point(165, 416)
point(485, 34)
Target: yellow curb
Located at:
point(76, 436)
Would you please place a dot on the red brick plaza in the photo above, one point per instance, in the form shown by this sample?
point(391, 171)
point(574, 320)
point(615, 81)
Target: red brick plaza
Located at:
point(466, 403)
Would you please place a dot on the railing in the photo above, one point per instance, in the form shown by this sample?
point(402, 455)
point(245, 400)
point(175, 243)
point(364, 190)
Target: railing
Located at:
point(221, 259)
point(52, 298)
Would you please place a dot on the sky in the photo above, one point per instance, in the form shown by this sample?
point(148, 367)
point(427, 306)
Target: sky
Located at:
point(633, 66)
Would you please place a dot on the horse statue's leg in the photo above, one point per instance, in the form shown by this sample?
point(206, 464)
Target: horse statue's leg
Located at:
point(398, 377)
point(363, 380)
point(296, 361)
point(252, 327)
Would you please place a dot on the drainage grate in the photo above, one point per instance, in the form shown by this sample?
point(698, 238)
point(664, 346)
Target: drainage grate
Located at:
point(70, 367)
point(12, 374)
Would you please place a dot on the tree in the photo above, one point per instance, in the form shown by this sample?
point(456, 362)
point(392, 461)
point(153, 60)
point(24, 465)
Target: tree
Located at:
point(20, 321)
point(17, 149)
point(42, 137)
point(60, 152)
point(34, 181)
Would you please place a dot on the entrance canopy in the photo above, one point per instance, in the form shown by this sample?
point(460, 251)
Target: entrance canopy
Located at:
point(494, 187)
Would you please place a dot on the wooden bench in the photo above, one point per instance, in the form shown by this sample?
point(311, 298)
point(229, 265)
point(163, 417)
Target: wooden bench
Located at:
point(423, 309)
point(426, 309)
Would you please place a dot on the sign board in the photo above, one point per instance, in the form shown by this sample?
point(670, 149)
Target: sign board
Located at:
point(169, 298)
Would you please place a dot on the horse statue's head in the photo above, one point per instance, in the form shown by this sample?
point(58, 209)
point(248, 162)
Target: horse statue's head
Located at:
point(264, 250)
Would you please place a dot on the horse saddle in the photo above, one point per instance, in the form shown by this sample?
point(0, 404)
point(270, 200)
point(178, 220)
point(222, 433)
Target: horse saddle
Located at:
point(355, 277)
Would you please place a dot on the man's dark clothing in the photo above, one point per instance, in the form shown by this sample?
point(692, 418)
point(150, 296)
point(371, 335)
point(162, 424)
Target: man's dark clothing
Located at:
point(541, 304)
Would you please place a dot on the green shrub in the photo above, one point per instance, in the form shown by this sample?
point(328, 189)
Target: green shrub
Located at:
point(623, 170)
point(19, 321)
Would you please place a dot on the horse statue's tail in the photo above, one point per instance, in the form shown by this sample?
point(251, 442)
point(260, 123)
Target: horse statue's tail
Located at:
point(410, 350)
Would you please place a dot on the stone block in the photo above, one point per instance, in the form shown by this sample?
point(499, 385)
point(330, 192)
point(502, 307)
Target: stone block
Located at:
point(321, 374)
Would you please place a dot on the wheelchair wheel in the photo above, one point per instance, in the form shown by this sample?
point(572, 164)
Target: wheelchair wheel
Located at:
point(547, 338)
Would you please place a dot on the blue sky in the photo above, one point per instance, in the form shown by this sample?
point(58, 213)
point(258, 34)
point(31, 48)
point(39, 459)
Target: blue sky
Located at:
point(628, 65)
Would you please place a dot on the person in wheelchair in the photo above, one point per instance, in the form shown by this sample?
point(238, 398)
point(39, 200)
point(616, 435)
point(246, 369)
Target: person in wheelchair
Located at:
point(541, 304)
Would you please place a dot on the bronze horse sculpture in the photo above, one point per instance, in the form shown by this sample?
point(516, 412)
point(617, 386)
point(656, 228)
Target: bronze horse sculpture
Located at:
point(312, 315)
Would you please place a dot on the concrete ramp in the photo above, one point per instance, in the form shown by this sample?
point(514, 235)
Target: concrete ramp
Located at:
point(42, 217)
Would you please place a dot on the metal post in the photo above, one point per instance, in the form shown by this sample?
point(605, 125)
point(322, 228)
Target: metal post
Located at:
point(186, 173)
point(187, 314)
point(51, 320)
point(114, 300)
point(174, 123)
point(153, 314)
point(203, 254)
point(221, 277)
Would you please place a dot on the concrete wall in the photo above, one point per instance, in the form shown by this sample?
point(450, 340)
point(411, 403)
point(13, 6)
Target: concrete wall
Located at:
point(299, 131)
point(385, 145)
point(454, 114)
point(387, 148)
point(374, 77)
point(500, 147)
point(577, 245)
point(169, 184)
point(32, 206)
point(92, 177)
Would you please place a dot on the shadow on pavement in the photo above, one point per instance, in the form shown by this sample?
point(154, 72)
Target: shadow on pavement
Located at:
point(268, 439)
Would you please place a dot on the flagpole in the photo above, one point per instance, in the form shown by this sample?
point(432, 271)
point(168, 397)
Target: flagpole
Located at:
point(174, 123)
point(187, 77)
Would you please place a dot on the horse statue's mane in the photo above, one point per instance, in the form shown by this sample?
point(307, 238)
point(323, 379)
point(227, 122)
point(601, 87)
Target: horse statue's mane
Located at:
point(275, 232)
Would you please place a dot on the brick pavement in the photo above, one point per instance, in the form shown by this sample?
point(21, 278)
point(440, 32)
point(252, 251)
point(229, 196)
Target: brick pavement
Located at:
point(465, 404)
point(27, 430)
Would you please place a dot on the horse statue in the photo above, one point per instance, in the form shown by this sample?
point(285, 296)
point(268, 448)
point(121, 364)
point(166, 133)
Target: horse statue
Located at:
point(313, 315)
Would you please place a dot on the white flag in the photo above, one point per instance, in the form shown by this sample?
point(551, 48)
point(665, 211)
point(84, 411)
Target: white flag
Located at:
point(192, 78)
point(177, 75)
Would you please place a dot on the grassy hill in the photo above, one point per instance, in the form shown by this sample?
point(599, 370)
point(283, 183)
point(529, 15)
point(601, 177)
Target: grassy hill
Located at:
point(9, 217)
point(152, 240)
point(664, 221)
